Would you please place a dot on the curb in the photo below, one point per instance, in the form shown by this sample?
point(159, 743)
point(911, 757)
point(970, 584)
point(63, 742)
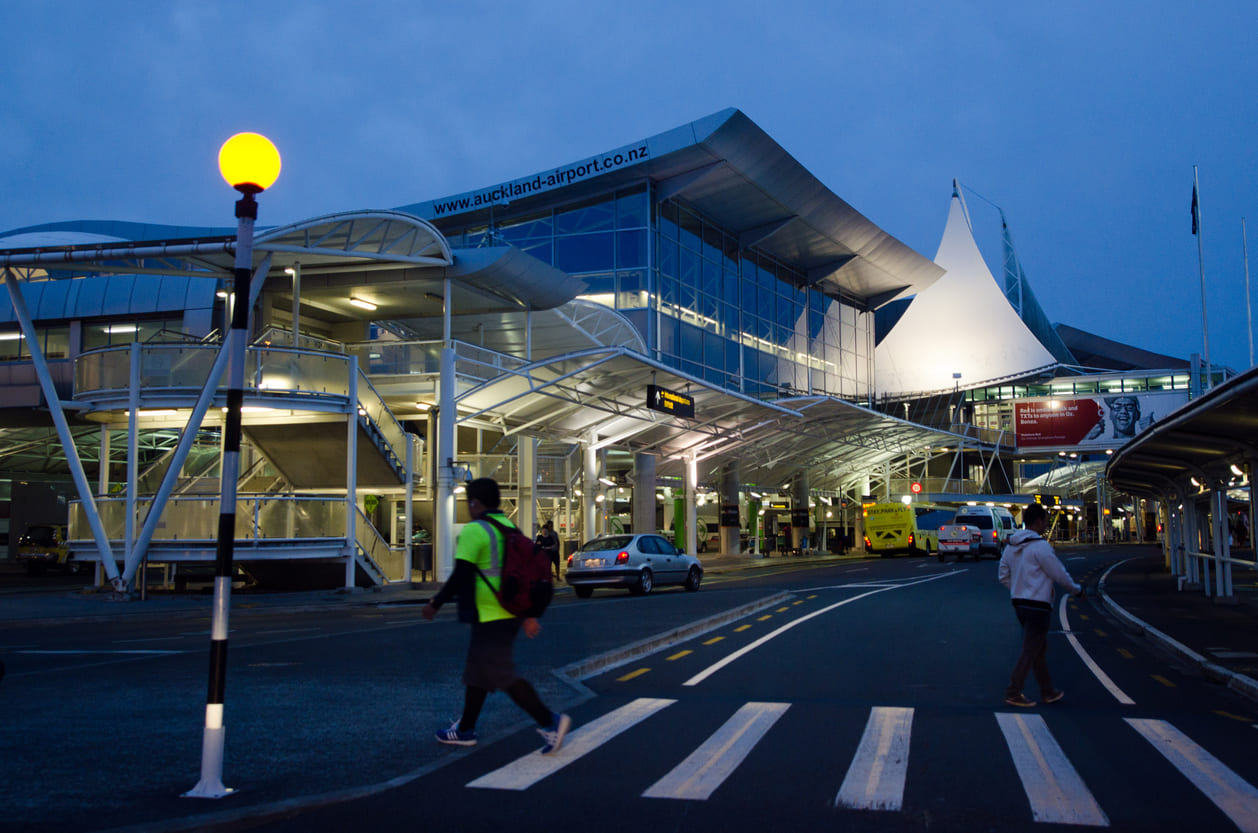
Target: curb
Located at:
point(1240, 683)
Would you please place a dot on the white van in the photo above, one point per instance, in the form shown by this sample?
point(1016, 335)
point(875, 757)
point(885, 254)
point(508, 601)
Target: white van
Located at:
point(994, 523)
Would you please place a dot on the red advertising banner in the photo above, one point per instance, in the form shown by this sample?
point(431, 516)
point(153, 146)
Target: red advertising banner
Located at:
point(1054, 422)
point(1090, 422)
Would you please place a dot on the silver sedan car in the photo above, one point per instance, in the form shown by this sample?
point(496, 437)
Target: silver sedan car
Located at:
point(638, 562)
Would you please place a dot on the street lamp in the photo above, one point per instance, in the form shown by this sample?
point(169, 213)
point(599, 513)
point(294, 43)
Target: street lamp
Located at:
point(250, 164)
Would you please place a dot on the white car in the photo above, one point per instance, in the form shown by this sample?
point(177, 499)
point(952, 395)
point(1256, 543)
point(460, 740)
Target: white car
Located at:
point(637, 562)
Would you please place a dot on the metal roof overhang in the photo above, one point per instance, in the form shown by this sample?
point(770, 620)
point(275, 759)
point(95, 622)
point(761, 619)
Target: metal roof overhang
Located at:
point(600, 396)
point(1203, 439)
point(736, 174)
point(395, 260)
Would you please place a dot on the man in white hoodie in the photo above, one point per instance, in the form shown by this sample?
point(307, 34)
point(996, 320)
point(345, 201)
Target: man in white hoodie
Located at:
point(1030, 568)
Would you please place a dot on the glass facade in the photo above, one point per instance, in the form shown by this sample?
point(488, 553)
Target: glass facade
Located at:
point(738, 319)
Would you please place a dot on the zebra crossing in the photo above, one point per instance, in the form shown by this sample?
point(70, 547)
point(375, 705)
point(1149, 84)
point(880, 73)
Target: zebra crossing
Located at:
point(876, 778)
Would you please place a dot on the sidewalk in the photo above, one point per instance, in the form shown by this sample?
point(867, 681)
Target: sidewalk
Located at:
point(1219, 638)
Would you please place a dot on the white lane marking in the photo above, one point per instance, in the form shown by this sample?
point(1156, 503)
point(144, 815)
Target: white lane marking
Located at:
point(523, 773)
point(717, 666)
point(1055, 790)
point(72, 652)
point(875, 780)
point(1104, 679)
point(707, 767)
point(1229, 792)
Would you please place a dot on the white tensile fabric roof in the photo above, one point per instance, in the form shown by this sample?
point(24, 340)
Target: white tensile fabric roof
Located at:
point(961, 324)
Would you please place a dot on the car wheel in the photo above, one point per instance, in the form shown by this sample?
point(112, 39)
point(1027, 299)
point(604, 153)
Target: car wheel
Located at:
point(583, 591)
point(940, 555)
point(693, 579)
point(643, 584)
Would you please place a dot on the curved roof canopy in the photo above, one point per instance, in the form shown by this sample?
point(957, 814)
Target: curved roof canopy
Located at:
point(733, 172)
point(1201, 440)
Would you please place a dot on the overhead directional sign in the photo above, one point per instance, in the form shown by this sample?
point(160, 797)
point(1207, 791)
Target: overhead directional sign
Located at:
point(670, 402)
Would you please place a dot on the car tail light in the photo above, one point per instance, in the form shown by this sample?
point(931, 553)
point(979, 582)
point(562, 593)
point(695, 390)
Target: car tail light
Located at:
point(868, 543)
point(570, 561)
point(622, 557)
point(993, 535)
point(910, 539)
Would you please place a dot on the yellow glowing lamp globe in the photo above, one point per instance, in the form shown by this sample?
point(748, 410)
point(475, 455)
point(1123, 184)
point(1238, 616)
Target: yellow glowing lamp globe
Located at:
point(249, 162)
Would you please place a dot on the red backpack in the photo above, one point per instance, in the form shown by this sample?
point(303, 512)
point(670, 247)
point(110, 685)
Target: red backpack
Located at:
point(524, 586)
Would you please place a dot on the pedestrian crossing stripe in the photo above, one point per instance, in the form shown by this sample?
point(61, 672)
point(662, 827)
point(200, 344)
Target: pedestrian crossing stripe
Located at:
point(1230, 793)
point(527, 771)
point(875, 780)
point(707, 767)
point(1055, 790)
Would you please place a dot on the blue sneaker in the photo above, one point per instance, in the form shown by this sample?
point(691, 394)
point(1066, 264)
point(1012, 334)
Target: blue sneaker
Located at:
point(454, 737)
point(555, 733)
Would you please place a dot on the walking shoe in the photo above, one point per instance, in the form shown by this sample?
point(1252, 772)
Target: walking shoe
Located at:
point(454, 737)
point(1020, 700)
point(555, 733)
point(1054, 697)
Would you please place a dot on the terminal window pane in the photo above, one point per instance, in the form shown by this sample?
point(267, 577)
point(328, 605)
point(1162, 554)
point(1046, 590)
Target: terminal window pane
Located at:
point(711, 278)
point(600, 284)
point(596, 215)
point(691, 268)
point(542, 250)
point(632, 208)
point(691, 341)
point(691, 229)
point(525, 228)
point(57, 344)
point(668, 258)
point(10, 345)
point(631, 248)
point(668, 220)
point(584, 252)
point(747, 289)
point(668, 335)
point(713, 244)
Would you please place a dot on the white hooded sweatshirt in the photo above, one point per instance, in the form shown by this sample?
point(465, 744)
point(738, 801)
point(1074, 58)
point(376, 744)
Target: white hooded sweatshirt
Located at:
point(1029, 567)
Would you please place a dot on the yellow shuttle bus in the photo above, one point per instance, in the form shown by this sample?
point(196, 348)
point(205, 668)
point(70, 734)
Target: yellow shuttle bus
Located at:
point(891, 528)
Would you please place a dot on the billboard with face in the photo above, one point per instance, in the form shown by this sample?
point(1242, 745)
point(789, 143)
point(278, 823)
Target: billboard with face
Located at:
point(1090, 422)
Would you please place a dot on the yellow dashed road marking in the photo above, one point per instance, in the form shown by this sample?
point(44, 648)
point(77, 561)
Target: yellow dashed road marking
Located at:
point(1163, 680)
point(632, 674)
point(781, 610)
point(798, 602)
point(766, 616)
point(813, 596)
point(1126, 654)
point(1233, 716)
point(714, 640)
point(1100, 632)
point(680, 654)
point(741, 628)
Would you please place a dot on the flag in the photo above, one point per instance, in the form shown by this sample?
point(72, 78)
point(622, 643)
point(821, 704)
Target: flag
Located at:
point(1195, 210)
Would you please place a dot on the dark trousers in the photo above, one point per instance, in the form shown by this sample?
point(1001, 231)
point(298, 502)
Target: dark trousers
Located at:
point(1034, 657)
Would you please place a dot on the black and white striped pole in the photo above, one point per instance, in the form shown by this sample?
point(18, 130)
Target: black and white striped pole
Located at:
point(250, 164)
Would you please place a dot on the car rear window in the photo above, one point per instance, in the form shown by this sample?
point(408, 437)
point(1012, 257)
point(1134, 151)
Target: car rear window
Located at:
point(981, 521)
point(43, 535)
point(612, 542)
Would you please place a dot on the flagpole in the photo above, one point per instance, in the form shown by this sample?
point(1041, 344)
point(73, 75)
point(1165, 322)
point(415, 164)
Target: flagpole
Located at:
point(1249, 310)
point(1201, 261)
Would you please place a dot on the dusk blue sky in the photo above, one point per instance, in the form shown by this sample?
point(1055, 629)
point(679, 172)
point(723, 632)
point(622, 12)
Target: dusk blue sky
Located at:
point(1081, 120)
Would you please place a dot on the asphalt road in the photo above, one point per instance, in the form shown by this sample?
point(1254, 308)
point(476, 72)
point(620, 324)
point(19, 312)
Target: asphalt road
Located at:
point(756, 724)
point(871, 700)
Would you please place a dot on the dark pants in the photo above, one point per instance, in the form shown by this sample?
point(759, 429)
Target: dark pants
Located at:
point(1034, 619)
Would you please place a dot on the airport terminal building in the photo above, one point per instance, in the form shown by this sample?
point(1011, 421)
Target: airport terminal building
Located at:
point(689, 332)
